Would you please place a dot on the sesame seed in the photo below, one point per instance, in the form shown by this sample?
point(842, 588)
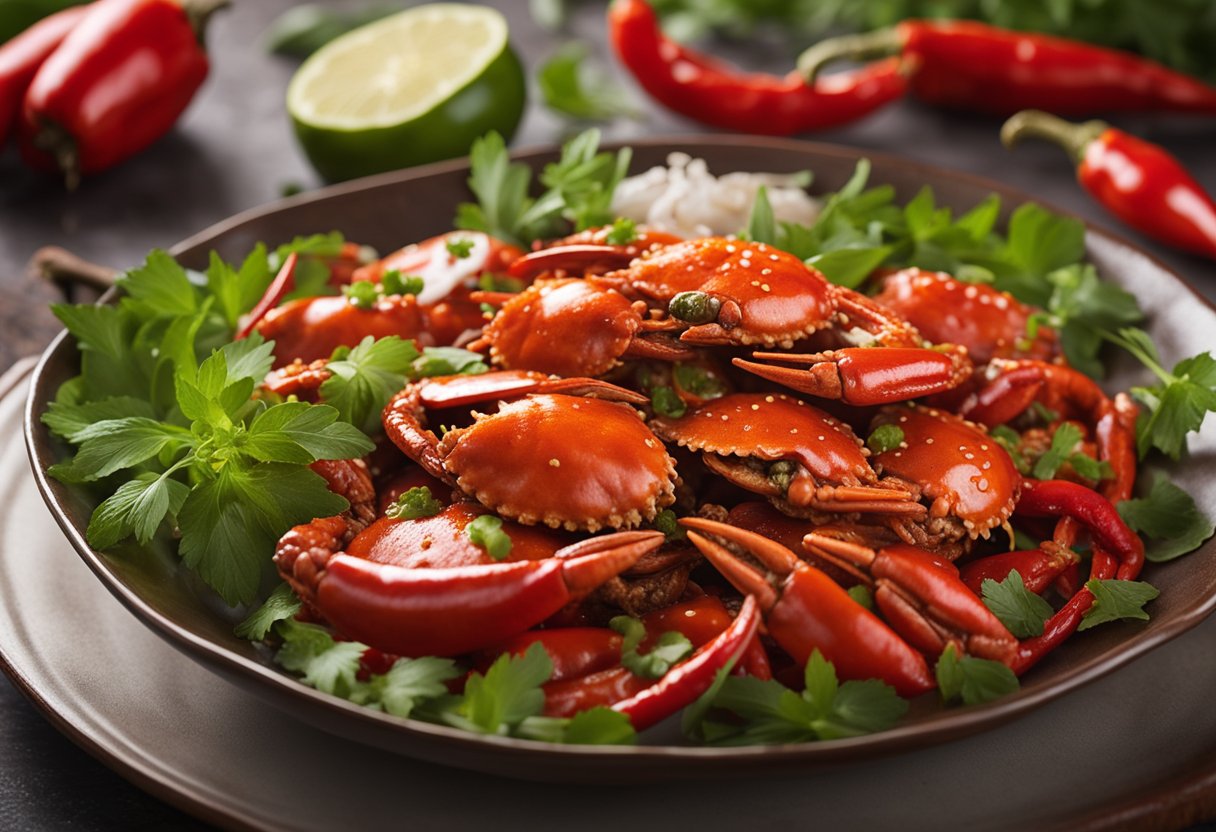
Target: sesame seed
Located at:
point(555, 463)
point(793, 430)
point(690, 613)
point(929, 441)
point(765, 287)
point(747, 252)
point(774, 258)
point(822, 438)
point(730, 249)
point(968, 456)
point(766, 271)
point(755, 407)
point(745, 263)
point(769, 399)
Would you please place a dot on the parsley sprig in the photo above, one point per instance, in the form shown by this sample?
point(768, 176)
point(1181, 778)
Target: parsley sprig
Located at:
point(579, 188)
point(167, 430)
point(1169, 518)
point(505, 700)
point(766, 711)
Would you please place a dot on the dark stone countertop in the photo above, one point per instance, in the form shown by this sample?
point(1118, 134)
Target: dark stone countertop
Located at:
point(234, 150)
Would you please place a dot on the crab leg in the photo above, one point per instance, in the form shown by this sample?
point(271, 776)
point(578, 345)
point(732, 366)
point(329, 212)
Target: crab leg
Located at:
point(928, 605)
point(450, 611)
point(580, 259)
point(865, 375)
point(807, 610)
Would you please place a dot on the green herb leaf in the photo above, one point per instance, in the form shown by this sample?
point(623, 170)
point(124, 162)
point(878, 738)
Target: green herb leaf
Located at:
point(159, 288)
point(885, 438)
point(669, 649)
point(509, 692)
point(303, 433)
point(486, 532)
point(571, 86)
point(363, 382)
point(974, 681)
point(1170, 518)
point(667, 403)
point(70, 421)
point(622, 233)
point(1021, 611)
point(137, 507)
point(1115, 600)
point(762, 224)
point(599, 726)
point(411, 681)
point(281, 604)
point(327, 665)
point(1065, 439)
point(862, 595)
point(448, 361)
point(413, 504)
point(363, 294)
point(115, 444)
point(667, 523)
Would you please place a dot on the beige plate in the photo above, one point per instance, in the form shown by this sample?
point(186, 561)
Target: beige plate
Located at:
point(389, 210)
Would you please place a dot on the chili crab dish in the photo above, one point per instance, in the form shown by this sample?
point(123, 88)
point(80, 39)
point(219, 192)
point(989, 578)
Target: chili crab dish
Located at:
point(564, 475)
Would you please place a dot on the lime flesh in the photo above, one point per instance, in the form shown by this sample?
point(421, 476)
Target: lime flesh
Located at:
point(415, 87)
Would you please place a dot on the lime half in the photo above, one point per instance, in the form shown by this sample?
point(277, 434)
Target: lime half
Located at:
point(415, 87)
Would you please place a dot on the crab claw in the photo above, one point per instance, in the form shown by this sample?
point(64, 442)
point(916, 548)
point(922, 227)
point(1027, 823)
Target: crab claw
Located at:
point(806, 611)
point(578, 259)
point(865, 375)
point(454, 610)
point(927, 604)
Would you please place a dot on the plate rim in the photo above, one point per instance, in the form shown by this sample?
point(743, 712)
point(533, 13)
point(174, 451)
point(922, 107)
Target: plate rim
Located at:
point(274, 685)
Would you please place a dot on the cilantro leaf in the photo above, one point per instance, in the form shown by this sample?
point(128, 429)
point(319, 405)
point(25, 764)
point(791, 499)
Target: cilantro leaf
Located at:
point(599, 726)
point(668, 649)
point(448, 361)
point(1066, 438)
point(1115, 600)
point(329, 666)
point(508, 693)
point(1179, 404)
point(570, 86)
point(410, 681)
point(102, 329)
point(115, 444)
point(826, 709)
point(501, 188)
point(974, 681)
point(158, 288)
point(1080, 307)
point(1039, 243)
point(486, 532)
point(762, 224)
point(1169, 517)
point(281, 604)
point(230, 523)
point(136, 508)
point(364, 381)
point(70, 420)
point(1021, 611)
point(862, 595)
point(413, 504)
point(303, 433)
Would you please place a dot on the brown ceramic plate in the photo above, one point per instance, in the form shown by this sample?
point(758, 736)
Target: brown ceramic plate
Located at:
point(387, 211)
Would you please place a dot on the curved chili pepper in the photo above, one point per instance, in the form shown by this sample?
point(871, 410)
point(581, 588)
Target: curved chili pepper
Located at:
point(1066, 620)
point(283, 283)
point(974, 66)
point(21, 57)
point(1137, 181)
point(1055, 498)
point(681, 685)
point(1037, 567)
point(708, 91)
point(117, 83)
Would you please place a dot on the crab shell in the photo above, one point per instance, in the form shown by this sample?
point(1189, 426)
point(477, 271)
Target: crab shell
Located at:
point(959, 466)
point(774, 427)
point(768, 297)
point(565, 461)
point(990, 324)
point(310, 328)
point(567, 327)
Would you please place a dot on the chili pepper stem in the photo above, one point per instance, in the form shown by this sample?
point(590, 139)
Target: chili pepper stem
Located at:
point(1074, 138)
point(199, 12)
point(867, 46)
point(58, 142)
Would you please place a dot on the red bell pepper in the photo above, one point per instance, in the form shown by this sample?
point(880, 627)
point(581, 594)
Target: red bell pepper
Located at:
point(1137, 181)
point(117, 83)
point(974, 66)
point(708, 91)
point(21, 57)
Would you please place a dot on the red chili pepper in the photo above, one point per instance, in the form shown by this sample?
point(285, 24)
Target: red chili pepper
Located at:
point(21, 57)
point(117, 83)
point(1137, 181)
point(711, 92)
point(283, 283)
point(1061, 498)
point(958, 63)
point(1038, 568)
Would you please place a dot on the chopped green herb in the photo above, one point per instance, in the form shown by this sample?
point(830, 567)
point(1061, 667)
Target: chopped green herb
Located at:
point(862, 595)
point(667, 523)
point(281, 604)
point(622, 233)
point(362, 293)
point(459, 248)
point(486, 532)
point(667, 403)
point(669, 648)
point(885, 438)
point(414, 504)
point(1170, 519)
point(1115, 600)
point(698, 381)
point(393, 282)
point(971, 680)
point(1021, 611)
